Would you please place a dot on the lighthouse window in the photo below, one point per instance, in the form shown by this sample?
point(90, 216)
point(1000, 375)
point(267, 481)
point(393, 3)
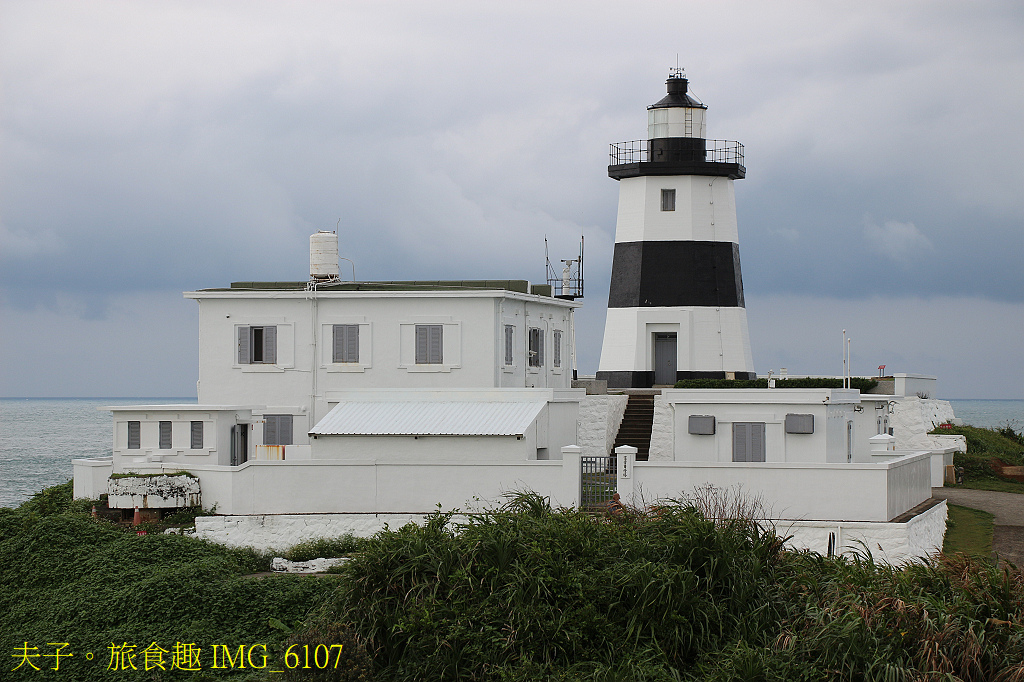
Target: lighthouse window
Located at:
point(257, 345)
point(429, 343)
point(536, 347)
point(668, 200)
point(346, 343)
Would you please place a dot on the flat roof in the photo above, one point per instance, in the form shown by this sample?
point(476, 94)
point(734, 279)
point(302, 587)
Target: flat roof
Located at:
point(521, 286)
point(429, 418)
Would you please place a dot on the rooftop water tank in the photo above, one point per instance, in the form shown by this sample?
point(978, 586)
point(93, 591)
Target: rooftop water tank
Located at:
point(323, 255)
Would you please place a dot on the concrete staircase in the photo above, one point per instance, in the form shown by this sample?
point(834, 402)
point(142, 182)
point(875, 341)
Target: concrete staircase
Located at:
point(635, 428)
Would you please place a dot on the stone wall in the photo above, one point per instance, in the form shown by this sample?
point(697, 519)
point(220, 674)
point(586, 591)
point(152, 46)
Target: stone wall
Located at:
point(278, 532)
point(662, 436)
point(600, 416)
point(914, 417)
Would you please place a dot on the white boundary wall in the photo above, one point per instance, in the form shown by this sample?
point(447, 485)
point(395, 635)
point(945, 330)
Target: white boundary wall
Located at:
point(372, 486)
point(893, 543)
point(789, 490)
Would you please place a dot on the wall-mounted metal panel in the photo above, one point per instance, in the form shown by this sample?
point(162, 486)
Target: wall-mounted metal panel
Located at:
point(702, 425)
point(799, 423)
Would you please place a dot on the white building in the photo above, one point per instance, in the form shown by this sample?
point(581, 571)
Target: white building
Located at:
point(294, 374)
point(328, 407)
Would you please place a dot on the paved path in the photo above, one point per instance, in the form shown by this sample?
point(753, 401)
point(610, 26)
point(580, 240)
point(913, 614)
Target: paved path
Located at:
point(1008, 508)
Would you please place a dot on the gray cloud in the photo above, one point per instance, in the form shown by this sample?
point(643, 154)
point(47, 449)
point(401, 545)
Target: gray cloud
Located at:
point(150, 149)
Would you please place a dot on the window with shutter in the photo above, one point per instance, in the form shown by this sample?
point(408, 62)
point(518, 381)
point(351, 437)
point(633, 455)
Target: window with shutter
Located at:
point(197, 435)
point(346, 343)
point(509, 330)
point(429, 342)
point(257, 345)
point(748, 442)
point(536, 347)
point(134, 429)
point(556, 352)
point(165, 435)
point(277, 429)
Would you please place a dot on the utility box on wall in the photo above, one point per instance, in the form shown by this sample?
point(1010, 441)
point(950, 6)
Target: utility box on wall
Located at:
point(702, 425)
point(799, 423)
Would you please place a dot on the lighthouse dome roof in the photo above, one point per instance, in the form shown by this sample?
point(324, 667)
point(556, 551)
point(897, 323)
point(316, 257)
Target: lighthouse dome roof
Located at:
point(677, 95)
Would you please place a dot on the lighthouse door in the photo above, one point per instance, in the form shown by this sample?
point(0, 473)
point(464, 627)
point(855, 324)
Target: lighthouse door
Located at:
point(664, 358)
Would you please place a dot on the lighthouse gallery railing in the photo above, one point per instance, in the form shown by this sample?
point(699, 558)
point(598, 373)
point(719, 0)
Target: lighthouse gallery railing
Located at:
point(639, 151)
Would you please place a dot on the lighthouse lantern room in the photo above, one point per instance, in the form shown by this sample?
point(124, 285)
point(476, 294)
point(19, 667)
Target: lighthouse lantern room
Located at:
point(675, 305)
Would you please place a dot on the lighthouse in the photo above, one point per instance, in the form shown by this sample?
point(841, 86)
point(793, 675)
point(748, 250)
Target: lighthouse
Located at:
point(675, 305)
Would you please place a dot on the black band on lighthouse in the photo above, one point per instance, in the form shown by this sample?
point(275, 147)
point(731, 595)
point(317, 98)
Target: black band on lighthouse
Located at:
point(676, 273)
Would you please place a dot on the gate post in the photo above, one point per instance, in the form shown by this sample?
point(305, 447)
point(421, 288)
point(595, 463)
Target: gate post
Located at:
point(625, 457)
point(569, 495)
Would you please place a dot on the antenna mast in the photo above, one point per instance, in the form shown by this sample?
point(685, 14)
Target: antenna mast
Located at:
point(569, 283)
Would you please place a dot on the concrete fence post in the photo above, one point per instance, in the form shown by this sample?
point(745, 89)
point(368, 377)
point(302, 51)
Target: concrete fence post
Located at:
point(571, 476)
point(625, 457)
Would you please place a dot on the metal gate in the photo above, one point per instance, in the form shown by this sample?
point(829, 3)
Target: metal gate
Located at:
point(598, 482)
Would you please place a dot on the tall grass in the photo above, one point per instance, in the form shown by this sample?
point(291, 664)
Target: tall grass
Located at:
point(528, 590)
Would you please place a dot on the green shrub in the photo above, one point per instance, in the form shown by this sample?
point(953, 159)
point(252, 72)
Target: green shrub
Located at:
point(530, 589)
point(56, 500)
point(70, 578)
point(328, 548)
point(349, 662)
point(863, 385)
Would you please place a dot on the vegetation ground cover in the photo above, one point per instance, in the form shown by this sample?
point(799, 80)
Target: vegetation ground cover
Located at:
point(969, 531)
point(989, 451)
point(525, 592)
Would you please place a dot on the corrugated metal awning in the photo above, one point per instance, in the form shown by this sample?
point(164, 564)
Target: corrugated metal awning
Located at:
point(423, 418)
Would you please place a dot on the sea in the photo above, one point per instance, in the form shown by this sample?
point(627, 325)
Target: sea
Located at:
point(40, 436)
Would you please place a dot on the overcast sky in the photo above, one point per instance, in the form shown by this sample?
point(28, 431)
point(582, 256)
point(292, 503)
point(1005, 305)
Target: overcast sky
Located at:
point(152, 148)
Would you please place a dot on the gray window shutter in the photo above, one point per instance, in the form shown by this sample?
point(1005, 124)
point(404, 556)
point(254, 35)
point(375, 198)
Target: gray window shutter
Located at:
point(284, 429)
point(540, 347)
point(556, 357)
point(270, 429)
point(338, 343)
point(346, 343)
point(352, 343)
point(741, 442)
point(757, 442)
point(429, 344)
point(277, 429)
point(243, 346)
point(133, 435)
point(435, 343)
point(421, 344)
point(508, 344)
point(534, 347)
point(165, 435)
point(197, 435)
point(270, 345)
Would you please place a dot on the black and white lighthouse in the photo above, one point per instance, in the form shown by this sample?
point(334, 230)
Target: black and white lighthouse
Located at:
point(675, 307)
